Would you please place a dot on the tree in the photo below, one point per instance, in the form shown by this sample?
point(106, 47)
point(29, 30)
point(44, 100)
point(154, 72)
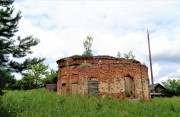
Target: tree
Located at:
point(126, 56)
point(5, 77)
point(118, 55)
point(37, 77)
point(37, 73)
point(129, 55)
point(87, 46)
point(10, 82)
point(132, 56)
point(27, 82)
point(11, 46)
point(31, 81)
point(51, 77)
point(173, 87)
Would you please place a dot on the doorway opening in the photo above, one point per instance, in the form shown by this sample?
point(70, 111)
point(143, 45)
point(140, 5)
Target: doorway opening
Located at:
point(93, 87)
point(129, 86)
point(63, 88)
point(74, 88)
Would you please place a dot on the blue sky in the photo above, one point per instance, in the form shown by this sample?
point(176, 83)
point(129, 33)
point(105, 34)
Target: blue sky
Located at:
point(117, 25)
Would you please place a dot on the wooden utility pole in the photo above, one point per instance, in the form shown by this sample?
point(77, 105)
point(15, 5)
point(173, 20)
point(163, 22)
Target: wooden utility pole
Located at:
point(152, 80)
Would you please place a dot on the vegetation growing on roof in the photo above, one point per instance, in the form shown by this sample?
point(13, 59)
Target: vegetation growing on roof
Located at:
point(118, 54)
point(87, 46)
point(77, 57)
point(129, 55)
point(85, 64)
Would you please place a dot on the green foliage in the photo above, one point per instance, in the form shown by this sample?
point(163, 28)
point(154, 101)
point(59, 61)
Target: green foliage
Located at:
point(6, 79)
point(43, 103)
point(26, 65)
point(85, 64)
point(34, 79)
point(10, 82)
point(129, 55)
point(87, 46)
point(37, 77)
point(173, 87)
point(118, 55)
point(126, 56)
point(80, 57)
point(51, 77)
point(26, 83)
point(128, 94)
point(11, 46)
point(38, 72)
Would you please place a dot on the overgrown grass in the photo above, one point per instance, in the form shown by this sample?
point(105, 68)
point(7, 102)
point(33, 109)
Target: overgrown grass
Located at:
point(43, 103)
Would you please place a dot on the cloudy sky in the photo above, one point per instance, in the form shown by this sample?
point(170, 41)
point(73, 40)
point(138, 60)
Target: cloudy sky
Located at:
point(115, 25)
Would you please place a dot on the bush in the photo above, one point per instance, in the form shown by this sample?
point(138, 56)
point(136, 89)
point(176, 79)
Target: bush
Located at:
point(85, 64)
point(173, 87)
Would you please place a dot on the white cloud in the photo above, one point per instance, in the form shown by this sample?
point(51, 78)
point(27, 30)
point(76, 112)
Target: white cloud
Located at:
point(121, 26)
point(156, 69)
point(172, 75)
point(17, 76)
point(53, 66)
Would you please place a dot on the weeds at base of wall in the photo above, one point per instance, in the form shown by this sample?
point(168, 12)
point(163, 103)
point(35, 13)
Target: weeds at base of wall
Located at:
point(128, 94)
point(43, 103)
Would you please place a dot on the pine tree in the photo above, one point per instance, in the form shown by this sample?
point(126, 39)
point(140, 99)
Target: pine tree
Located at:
point(8, 48)
point(12, 46)
point(5, 76)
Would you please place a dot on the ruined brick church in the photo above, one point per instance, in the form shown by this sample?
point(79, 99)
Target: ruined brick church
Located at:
point(103, 76)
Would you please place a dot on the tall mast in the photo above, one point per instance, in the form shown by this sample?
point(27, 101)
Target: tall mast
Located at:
point(152, 80)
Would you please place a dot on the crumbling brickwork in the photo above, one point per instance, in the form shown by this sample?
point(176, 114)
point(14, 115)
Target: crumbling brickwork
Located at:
point(103, 76)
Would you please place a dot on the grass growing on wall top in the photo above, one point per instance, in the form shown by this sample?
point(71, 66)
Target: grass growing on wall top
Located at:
point(85, 64)
point(43, 103)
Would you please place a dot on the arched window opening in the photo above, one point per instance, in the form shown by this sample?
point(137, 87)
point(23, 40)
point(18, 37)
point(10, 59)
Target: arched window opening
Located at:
point(129, 86)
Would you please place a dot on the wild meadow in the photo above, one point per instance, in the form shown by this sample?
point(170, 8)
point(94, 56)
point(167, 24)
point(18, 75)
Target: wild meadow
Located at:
point(43, 103)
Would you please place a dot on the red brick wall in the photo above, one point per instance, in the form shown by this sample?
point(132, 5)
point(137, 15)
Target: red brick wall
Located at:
point(110, 73)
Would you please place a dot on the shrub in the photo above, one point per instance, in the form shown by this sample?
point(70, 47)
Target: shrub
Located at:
point(173, 87)
point(85, 64)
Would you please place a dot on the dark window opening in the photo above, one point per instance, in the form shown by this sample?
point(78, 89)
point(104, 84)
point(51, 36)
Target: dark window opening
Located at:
point(63, 87)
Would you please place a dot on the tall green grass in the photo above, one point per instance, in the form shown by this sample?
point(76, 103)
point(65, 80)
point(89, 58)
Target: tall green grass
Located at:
point(43, 103)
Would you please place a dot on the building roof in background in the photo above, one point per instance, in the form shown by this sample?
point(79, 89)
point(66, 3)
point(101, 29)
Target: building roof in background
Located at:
point(155, 85)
